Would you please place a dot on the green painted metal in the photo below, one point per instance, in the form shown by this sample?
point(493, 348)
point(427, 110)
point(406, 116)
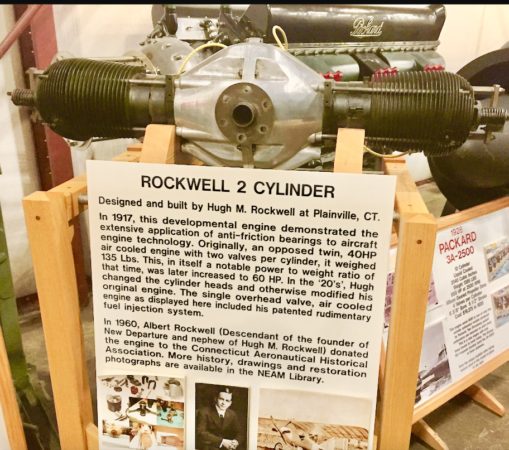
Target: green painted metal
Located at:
point(9, 317)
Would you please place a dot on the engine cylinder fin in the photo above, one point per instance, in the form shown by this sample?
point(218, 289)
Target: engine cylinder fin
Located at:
point(420, 111)
point(81, 98)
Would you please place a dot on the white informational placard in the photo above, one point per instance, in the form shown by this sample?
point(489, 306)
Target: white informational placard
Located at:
point(255, 292)
point(467, 320)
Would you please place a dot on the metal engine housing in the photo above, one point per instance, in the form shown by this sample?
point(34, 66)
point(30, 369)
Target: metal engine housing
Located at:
point(259, 95)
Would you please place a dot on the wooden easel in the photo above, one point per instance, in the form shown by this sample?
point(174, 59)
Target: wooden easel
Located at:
point(49, 216)
point(467, 385)
point(416, 236)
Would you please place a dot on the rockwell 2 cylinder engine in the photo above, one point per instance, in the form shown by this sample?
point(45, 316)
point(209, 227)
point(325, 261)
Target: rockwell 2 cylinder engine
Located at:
point(255, 104)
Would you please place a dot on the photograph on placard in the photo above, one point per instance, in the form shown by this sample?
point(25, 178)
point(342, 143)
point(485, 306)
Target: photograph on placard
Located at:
point(170, 438)
point(145, 437)
point(174, 389)
point(289, 419)
point(496, 255)
point(112, 404)
point(142, 436)
point(170, 414)
point(221, 417)
point(434, 367)
point(432, 297)
point(144, 410)
point(117, 431)
point(141, 412)
point(500, 304)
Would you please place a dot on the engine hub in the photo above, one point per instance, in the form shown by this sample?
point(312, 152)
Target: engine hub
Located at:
point(263, 99)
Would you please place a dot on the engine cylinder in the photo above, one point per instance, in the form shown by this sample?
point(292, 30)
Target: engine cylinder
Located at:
point(431, 112)
point(81, 98)
point(428, 111)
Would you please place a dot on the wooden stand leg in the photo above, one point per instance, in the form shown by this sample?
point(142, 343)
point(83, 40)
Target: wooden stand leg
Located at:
point(416, 245)
point(50, 241)
point(92, 437)
point(482, 396)
point(348, 159)
point(413, 271)
point(426, 434)
point(9, 404)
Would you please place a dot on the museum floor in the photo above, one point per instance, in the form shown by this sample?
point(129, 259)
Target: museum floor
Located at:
point(461, 423)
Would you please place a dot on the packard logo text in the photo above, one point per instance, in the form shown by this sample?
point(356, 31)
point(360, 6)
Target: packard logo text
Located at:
point(364, 27)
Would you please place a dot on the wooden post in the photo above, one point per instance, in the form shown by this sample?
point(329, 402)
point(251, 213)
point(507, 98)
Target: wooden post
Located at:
point(426, 434)
point(348, 159)
point(9, 404)
point(92, 436)
point(162, 145)
point(484, 398)
point(159, 144)
point(46, 217)
point(349, 150)
point(417, 231)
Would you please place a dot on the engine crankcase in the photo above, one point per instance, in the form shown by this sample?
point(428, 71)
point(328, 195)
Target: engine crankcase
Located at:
point(249, 105)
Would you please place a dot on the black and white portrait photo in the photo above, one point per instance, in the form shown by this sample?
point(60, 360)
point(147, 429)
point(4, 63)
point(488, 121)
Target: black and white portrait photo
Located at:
point(221, 417)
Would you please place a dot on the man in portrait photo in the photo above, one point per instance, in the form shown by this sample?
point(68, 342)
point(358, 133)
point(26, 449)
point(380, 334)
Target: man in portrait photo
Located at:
point(218, 426)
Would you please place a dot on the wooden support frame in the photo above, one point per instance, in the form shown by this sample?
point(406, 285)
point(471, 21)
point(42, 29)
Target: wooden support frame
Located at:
point(50, 236)
point(467, 385)
point(47, 219)
point(416, 243)
point(408, 202)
